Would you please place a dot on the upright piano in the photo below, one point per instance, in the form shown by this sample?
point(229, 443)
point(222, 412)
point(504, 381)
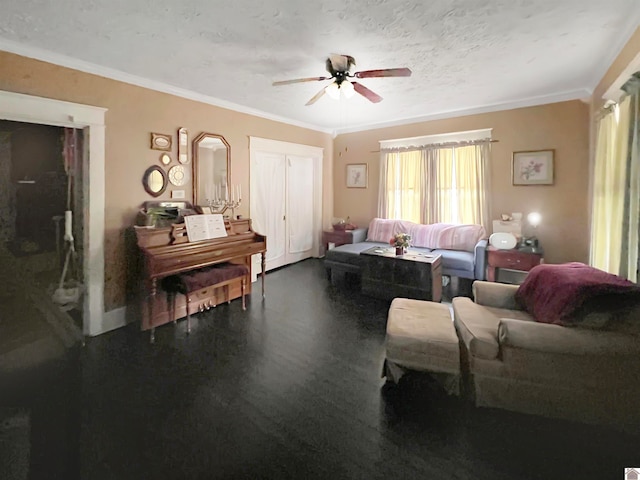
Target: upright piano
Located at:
point(166, 251)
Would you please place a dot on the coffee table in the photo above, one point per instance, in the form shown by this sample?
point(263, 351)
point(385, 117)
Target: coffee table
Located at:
point(412, 275)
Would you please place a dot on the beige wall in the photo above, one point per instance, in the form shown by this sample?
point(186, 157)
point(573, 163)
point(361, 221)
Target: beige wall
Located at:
point(560, 126)
point(134, 112)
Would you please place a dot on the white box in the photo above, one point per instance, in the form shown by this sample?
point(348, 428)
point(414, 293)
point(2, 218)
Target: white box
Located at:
point(514, 227)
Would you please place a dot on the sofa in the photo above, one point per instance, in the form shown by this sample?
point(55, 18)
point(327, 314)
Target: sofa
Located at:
point(462, 247)
point(571, 350)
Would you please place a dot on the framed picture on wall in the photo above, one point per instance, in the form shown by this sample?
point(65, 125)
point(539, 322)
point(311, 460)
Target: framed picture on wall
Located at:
point(532, 168)
point(357, 175)
point(160, 141)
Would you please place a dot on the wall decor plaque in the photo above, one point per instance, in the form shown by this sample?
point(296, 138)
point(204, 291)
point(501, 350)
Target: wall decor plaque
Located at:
point(160, 141)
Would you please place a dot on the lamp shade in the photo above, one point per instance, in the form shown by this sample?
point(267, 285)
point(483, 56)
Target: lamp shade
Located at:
point(534, 219)
point(347, 89)
point(333, 90)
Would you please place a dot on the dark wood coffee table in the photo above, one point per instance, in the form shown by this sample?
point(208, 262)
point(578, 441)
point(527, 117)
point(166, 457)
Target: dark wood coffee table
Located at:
point(412, 275)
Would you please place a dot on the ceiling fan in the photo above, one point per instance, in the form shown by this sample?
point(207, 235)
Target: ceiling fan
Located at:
point(339, 66)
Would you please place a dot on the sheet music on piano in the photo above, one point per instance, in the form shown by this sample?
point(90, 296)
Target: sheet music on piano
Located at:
point(205, 226)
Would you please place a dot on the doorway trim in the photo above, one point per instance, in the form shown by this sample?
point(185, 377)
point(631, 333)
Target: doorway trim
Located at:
point(31, 109)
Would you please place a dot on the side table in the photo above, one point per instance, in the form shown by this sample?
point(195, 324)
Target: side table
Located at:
point(513, 259)
point(341, 237)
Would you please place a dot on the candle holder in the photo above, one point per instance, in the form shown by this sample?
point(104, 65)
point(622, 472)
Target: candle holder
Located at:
point(233, 204)
point(217, 205)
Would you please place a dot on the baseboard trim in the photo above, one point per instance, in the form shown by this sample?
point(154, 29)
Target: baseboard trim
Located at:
point(113, 319)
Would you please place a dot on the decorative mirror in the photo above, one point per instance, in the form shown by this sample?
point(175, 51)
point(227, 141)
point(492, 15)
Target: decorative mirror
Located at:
point(183, 145)
point(165, 159)
point(154, 181)
point(211, 172)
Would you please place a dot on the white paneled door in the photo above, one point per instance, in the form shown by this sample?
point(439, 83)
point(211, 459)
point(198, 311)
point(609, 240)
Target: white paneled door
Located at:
point(284, 203)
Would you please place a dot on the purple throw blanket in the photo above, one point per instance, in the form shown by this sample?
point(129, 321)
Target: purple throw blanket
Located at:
point(553, 293)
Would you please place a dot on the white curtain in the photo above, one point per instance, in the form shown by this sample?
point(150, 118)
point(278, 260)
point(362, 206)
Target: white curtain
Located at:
point(300, 189)
point(430, 196)
point(436, 184)
point(402, 186)
point(472, 183)
point(268, 200)
point(609, 189)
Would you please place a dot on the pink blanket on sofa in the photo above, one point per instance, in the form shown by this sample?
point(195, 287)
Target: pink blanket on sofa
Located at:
point(553, 293)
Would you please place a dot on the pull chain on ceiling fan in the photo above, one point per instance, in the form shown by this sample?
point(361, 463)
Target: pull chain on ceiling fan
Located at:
point(339, 66)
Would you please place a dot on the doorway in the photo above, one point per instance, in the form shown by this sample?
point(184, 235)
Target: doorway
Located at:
point(41, 179)
point(47, 111)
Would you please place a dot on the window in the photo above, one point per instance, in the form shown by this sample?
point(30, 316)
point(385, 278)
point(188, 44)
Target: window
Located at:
point(404, 185)
point(445, 182)
point(615, 215)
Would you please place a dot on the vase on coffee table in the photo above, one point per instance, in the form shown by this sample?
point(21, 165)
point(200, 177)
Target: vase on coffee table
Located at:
point(399, 250)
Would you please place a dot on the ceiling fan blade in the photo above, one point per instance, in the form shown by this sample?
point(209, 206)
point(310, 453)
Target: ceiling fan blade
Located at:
point(365, 92)
point(385, 72)
point(299, 80)
point(315, 98)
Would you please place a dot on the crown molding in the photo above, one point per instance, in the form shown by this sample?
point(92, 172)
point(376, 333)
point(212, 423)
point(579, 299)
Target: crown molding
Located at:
point(606, 62)
point(579, 94)
point(614, 92)
point(113, 74)
point(91, 68)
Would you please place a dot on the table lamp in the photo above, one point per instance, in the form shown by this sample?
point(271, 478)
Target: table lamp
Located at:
point(530, 243)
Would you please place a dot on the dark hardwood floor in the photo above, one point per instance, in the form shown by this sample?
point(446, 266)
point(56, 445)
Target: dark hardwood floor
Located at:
point(291, 388)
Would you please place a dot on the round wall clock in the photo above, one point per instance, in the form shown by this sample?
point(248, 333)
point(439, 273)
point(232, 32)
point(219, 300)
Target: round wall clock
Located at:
point(178, 175)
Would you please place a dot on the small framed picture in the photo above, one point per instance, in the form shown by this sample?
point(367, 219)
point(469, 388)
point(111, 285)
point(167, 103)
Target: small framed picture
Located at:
point(160, 141)
point(357, 175)
point(532, 168)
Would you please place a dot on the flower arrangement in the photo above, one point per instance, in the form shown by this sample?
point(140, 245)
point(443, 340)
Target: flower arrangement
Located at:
point(400, 240)
point(532, 169)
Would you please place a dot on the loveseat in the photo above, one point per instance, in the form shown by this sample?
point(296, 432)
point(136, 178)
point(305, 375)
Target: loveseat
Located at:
point(563, 345)
point(462, 247)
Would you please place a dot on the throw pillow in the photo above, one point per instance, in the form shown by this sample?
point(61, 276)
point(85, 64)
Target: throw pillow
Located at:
point(382, 229)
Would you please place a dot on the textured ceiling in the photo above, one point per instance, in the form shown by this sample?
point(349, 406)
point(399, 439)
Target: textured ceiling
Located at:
point(465, 55)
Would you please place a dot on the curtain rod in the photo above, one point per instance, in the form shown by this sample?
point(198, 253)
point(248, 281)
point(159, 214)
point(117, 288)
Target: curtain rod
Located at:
point(450, 144)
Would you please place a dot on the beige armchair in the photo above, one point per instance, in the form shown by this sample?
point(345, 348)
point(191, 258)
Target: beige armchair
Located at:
point(516, 363)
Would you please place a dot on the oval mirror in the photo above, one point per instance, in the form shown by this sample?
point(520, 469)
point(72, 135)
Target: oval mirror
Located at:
point(154, 181)
point(165, 159)
point(211, 171)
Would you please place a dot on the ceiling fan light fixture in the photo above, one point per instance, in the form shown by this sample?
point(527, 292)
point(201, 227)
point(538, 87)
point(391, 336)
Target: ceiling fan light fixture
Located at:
point(333, 90)
point(347, 89)
point(339, 67)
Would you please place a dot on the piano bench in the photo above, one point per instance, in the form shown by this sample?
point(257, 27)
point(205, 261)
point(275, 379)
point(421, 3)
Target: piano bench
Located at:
point(191, 284)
